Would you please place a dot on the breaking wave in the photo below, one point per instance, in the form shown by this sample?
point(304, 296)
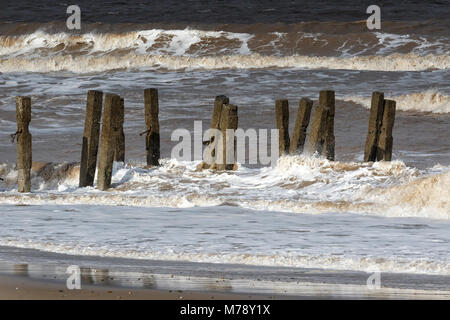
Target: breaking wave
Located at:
point(41, 51)
point(132, 61)
point(297, 184)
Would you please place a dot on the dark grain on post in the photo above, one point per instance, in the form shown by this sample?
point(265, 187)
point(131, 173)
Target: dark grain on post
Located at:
point(327, 99)
point(152, 141)
point(24, 150)
point(385, 142)
point(90, 140)
point(119, 154)
point(210, 157)
point(317, 130)
point(228, 125)
point(108, 141)
point(301, 125)
point(282, 115)
point(373, 133)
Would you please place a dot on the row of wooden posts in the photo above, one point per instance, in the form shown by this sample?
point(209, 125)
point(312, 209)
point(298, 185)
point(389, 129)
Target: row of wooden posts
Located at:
point(112, 146)
point(321, 133)
point(225, 116)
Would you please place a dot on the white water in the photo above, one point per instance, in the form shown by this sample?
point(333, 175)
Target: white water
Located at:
point(298, 184)
point(232, 235)
point(211, 50)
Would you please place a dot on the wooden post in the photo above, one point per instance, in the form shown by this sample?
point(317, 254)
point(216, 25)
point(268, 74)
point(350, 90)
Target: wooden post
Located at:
point(108, 142)
point(152, 123)
point(209, 160)
point(375, 119)
point(228, 120)
point(317, 131)
point(301, 124)
point(282, 115)
point(326, 98)
point(384, 151)
point(119, 154)
point(24, 151)
point(91, 135)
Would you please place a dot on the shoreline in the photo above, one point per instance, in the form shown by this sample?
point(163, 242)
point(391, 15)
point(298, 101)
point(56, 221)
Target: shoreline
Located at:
point(42, 275)
point(22, 288)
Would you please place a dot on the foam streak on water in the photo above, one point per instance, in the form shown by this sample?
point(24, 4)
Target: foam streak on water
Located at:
point(232, 235)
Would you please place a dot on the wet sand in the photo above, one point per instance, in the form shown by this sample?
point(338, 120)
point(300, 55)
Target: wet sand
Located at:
point(44, 276)
point(18, 288)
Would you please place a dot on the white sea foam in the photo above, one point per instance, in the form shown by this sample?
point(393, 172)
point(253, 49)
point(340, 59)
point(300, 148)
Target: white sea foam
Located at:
point(130, 61)
point(298, 184)
point(420, 266)
point(154, 41)
point(187, 49)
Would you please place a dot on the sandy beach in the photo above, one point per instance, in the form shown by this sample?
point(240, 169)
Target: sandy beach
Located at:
point(112, 278)
point(17, 288)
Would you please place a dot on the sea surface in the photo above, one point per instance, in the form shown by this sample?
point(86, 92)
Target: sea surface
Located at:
point(304, 212)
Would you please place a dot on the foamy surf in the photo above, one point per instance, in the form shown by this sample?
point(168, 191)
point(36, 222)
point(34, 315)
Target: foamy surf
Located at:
point(368, 264)
point(132, 61)
point(297, 184)
point(90, 52)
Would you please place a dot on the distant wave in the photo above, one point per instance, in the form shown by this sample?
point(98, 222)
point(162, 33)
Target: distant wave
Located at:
point(193, 42)
point(427, 101)
point(130, 61)
point(41, 51)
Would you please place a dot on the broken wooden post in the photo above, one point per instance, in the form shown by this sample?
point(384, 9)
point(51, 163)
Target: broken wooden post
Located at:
point(119, 154)
point(209, 160)
point(317, 130)
point(225, 159)
point(375, 119)
point(326, 98)
point(152, 141)
point(301, 124)
point(24, 151)
point(282, 115)
point(385, 141)
point(91, 136)
point(108, 142)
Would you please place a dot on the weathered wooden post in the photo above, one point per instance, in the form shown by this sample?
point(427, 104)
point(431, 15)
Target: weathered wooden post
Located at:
point(225, 160)
point(90, 138)
point(385, 141)
point(24, 151)
point(108, 142)
point(375, 119)
point(326, 98)
point(119, 154)
point(317, 130)
point(282, 115)
point(151, 120)
point(209, 160)
point(301, 124)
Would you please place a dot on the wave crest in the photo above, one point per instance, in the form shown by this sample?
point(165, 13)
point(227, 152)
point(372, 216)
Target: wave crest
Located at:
point(131, 61)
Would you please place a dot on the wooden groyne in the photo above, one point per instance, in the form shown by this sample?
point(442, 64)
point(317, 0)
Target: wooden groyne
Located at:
point(318, 116)
point(110, 127)
point(24, 151)
point(91, 136)
point(152, 140)
point(321, 140)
